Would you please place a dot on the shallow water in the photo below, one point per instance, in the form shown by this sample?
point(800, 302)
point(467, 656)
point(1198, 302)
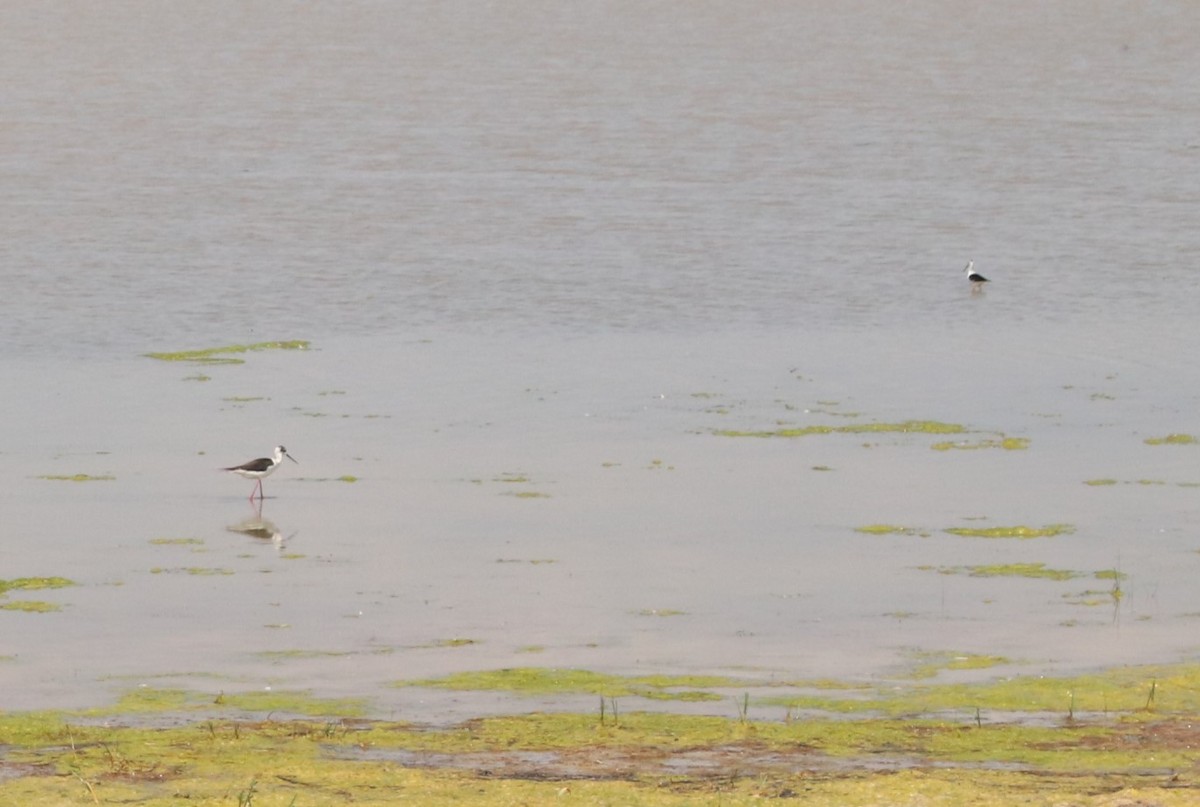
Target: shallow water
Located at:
point(552, 253)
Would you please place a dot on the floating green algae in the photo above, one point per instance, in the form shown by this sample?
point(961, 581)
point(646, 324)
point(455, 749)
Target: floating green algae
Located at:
point(200, 571)
point(1142, 482)
point(177, 541)
point(284, 655)
point(455, 642)
point(77, 478)
point(886, 529)
point(1030, 570)
point(1047, 531)
point(30, 606)
point(1005, 443)
point(217, 355)
point(1171, 440)
point(33, 584)
point(903, 427)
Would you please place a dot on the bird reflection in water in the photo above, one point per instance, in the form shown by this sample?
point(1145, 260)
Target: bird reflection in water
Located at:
point(260, 528)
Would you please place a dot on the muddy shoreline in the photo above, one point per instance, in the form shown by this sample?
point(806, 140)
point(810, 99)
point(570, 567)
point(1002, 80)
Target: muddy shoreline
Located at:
point(1126, 736)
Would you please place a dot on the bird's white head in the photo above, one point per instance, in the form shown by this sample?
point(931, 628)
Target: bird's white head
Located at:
point(281, 452)
point(970, 267)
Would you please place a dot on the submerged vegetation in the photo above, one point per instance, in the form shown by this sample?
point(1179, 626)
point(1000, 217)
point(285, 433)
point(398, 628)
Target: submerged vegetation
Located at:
point(903, 427)
point(1105, 482)
point(199, 571)
point(1047, 531)
point(543, 681)
point(78, 477)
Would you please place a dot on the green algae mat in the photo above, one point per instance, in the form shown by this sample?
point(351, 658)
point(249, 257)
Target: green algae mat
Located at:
point(1127, 738)
point(226, 354)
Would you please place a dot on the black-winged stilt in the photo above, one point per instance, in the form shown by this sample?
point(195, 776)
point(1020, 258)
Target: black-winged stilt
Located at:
point(974, 276)
point(261, 468)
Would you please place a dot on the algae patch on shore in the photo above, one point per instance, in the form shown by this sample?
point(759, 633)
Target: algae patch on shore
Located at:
point(1126, 736)
point(149, 700)
point(1123, 737)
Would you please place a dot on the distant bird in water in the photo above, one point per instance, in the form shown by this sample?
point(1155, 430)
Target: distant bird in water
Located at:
point(261, 468)
point(974, 276)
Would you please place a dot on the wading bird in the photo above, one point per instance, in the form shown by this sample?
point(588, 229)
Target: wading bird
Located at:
point(261, 468)
point(974, 276)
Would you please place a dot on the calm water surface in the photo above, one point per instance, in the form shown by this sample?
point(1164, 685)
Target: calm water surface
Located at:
point(543, 255)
